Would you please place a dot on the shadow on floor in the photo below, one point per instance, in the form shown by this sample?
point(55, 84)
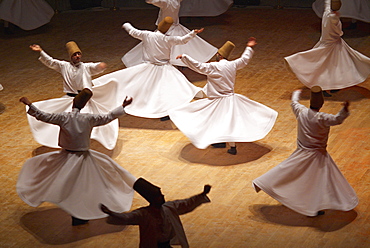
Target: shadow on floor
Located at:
point(53, 226)
point(247, 152)
point(2, 108)
point(331, 221)
point(130, 121)
point(193, 76)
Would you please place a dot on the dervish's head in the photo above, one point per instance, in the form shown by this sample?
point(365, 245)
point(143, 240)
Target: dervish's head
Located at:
point(225, 51)
point(74, 52)
point(165, 24)
point(150, 192)
point(317, 98)
point(82, 98)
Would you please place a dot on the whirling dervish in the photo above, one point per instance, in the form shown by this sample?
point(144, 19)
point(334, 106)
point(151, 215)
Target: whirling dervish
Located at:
point(197, 47)
point(331, 64)
point(155, 84)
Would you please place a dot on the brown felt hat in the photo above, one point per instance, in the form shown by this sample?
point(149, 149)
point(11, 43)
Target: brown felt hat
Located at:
point(317, 98)
point(165, 24)
point(82, 98)
point(147, 190)
point(72, 48)
point(226, 49)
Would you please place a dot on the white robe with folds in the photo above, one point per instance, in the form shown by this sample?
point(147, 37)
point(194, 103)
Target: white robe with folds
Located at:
point(355, 9)
point(309, 180)
point(26, 14)
point(75, 79)
point(224, 116)
point(197, 47)
point(79, 179)
point(331, 63)
point(155, 85)
point(204, 7)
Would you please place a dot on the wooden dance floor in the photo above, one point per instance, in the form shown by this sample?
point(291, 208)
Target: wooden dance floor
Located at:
point(157, 151)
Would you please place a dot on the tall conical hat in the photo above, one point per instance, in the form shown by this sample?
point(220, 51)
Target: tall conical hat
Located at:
point(226, 49)
point(82, 98)
point(165, 24)
point(335, 4)
point(317, 98)
point(147, 190)
point(72, 48)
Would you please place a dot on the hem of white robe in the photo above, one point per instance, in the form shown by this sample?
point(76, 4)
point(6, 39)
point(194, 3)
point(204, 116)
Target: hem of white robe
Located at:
point(138, 113)
point(204, 145)
point(103, 215)
point(335, 87)
point(311, 84)
point(300, 211)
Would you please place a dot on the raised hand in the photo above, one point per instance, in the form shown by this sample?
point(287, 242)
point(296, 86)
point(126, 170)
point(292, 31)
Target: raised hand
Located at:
point(252, 42)
point(36, 48)
point(207, 189)
point(104, 209)
point(346, 105)
point(127, 101)
point(25, 100)
point(198, 30)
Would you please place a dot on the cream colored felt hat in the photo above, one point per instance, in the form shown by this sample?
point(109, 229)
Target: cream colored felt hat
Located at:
point(72, 48)
point(226, 49)
point(165, 24)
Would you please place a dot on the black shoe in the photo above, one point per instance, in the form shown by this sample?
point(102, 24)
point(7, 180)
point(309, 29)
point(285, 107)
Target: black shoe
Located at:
point(77, 221)
point(326, 94)
point(334, 91)
point(219, 145)
point(353, 25)
point(320, 213)
point(166, 118)
point(232, 150)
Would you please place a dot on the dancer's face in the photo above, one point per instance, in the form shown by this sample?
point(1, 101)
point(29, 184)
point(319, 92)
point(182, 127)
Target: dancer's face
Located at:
point(76, 57)
point(218, 57)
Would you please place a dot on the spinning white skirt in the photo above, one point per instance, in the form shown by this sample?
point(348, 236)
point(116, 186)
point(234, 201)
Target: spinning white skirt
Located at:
point(77, 182)
point(101, 102)
point(307, 182)
point(204, 7)
point(233, 118)
point(197, 48)
point(331, 66)
point(154, 88)
point(26, 14)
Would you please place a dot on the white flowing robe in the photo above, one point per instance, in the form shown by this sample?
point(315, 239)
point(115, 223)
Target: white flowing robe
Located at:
point(309, 180)
point(204, 7)
point(355, 9)
point(197, 47)
point(76, 178)
point(331, 63)
point(26, 14)
point(75, 79)
point(224, 116)
point(155, 85)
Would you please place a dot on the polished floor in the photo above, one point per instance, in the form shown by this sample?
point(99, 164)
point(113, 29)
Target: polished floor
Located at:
point(157, 151)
